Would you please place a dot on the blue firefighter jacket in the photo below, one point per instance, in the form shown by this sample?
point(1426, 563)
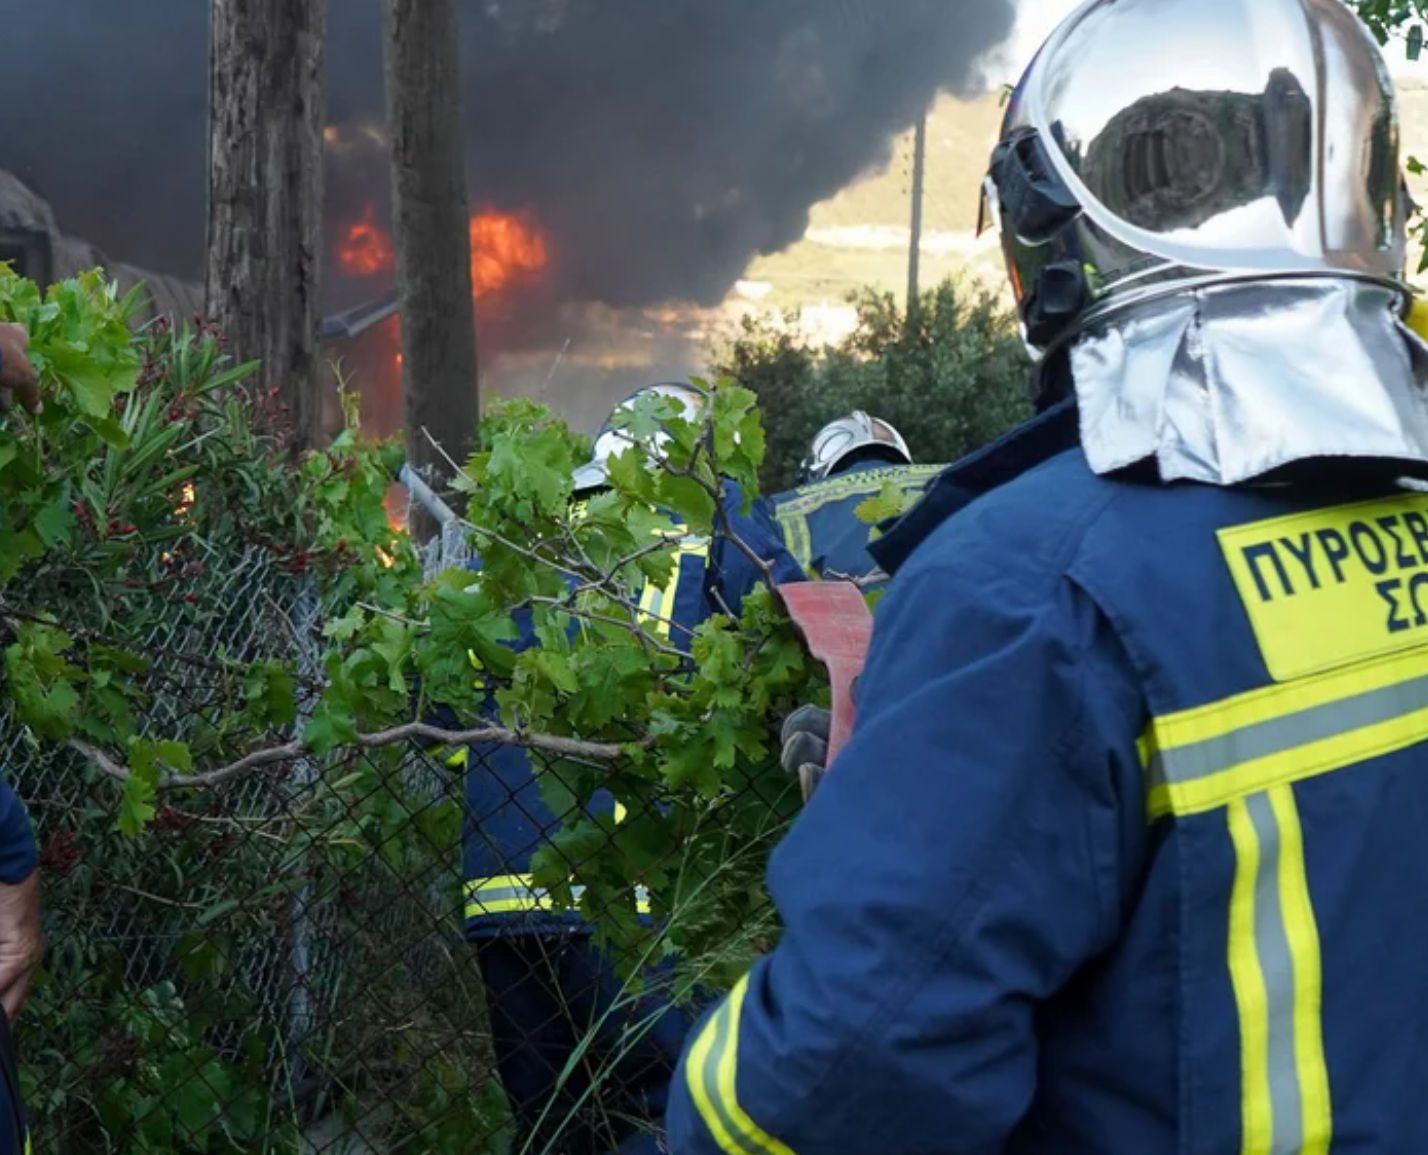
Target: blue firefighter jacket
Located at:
point(507, 820)
point(1127, 852)
point(19, 855)
point(819, 522)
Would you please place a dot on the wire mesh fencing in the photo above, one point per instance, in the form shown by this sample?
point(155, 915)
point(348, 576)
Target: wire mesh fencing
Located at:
point(349, 956)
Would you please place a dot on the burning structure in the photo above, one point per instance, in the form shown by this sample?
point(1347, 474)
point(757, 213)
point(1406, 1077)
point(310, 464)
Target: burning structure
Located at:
point(630, 155)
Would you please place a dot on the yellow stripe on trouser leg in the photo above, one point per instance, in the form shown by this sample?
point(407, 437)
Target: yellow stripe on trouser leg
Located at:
point(1303, 935)
point(728, 1069)
point(698, 1064)
point(711, 1070)
point(1248, 982)
point(1275, 970)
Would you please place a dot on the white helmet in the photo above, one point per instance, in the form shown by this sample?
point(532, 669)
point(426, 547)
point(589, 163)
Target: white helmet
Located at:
point(1155, 146)
point(854, 435)
point(611, 442)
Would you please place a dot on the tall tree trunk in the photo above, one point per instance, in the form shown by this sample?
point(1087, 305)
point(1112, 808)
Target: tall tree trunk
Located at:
point(266, 111)
point(431, 226)
point(914, 250)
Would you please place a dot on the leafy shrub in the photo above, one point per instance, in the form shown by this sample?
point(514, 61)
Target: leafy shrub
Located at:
point(950, 378)
point(219, 662)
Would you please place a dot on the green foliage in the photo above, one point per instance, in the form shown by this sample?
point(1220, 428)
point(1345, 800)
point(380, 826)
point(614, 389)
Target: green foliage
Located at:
point(950, 378)
point(1390, 19)
point(150, 478)
point(1402, 23)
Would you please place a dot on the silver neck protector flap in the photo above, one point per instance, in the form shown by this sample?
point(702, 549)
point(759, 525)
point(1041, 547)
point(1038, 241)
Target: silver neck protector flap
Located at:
point(1225, 384)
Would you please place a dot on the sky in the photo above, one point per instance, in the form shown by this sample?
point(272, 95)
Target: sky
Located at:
point(1034, 22)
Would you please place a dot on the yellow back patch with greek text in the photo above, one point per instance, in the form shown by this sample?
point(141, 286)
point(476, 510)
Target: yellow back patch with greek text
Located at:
point(1334, 586)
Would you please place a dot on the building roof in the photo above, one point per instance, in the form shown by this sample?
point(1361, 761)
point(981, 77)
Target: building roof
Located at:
point(24, 211)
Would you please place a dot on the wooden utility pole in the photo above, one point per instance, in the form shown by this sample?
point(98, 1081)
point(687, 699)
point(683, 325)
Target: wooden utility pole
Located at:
point(266, 109)
point(431, 223)
point(914, 251)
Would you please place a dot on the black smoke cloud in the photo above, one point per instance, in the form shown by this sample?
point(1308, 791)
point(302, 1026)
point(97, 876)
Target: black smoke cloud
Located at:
point(661, 142)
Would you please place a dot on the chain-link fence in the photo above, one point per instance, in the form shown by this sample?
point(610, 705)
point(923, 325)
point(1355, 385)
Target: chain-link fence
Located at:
point(318, 958)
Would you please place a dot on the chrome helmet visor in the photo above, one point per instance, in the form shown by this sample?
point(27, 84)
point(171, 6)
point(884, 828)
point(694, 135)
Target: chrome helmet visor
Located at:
point(1198, 141)
point(1270, 145)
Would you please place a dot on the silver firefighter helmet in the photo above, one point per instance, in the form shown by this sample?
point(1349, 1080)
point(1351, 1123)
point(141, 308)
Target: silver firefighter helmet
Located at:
point(612, 441)
point(856, 436)
point(1159, 145)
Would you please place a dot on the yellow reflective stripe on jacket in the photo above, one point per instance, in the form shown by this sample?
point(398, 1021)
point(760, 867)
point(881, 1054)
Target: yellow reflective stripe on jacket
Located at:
point(792, 515)
point(1275, 971)
point(657, 602)
point(518, 894)
point(796, 536)
point(1202, 759)
point(711, 1071)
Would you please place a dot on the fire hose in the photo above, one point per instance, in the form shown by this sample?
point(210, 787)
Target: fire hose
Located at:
point(837, 627)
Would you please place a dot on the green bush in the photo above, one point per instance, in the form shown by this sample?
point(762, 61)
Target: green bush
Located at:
point(951, 377)
point(219, 663)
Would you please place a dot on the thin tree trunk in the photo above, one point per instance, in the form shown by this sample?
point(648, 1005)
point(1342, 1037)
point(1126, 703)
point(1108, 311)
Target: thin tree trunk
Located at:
point(431, 226)
point(266, 111)
point(914, 250)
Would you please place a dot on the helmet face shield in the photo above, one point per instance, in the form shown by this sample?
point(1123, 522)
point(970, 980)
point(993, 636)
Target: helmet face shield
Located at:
point(1229, 138)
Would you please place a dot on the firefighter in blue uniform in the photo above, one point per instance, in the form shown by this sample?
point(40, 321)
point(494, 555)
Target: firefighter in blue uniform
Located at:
point(21, 940)
point(548, 988)
point(1125, 853)
point(849, 461)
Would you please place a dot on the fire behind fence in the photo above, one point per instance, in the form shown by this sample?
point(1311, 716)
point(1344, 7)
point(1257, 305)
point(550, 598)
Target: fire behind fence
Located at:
point(280, 963)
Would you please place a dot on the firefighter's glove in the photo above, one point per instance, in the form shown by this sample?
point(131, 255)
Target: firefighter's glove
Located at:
point(805, 746)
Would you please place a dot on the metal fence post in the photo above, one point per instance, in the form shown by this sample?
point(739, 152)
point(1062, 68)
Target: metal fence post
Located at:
point(306, 614)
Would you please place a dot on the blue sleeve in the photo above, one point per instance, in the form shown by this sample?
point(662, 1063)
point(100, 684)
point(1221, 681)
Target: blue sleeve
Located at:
point(18, 853)
point(962, 861)
point(733, 570)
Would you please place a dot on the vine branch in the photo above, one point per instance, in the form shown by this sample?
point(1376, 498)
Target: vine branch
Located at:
point(264, 759)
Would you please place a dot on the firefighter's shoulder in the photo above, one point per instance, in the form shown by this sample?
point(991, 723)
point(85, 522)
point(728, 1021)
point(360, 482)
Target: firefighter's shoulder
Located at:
point(1029, 516)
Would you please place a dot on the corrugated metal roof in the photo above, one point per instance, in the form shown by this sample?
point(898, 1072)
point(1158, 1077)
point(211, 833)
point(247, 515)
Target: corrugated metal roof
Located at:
point(21, 209)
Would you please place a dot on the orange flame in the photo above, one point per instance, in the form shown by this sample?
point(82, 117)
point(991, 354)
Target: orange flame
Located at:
point(395, 505)
point(187, 496)
point(505, 247)
point(365, 250)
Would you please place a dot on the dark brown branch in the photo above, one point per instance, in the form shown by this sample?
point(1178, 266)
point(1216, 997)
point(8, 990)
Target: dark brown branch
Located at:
point(264, 759)
point(721, 515)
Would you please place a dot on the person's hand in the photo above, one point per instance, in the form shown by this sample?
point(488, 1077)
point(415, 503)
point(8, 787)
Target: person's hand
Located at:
point(805, 746)
point(18, 378)
point(22, 942)
point(805, 743)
